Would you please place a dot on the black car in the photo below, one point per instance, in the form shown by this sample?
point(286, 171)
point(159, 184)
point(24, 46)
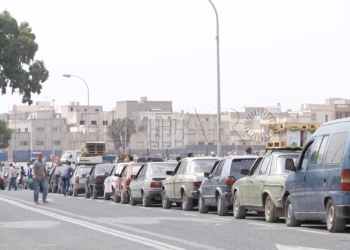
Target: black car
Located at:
point(94, 183)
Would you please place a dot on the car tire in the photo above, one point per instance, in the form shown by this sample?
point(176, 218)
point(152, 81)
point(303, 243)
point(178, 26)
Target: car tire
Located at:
point(94, 193)
point(289, 215)
point(187, 202)
point(132, 201)
point(106, 196)
point(124, 197)
point(116, 198)
point(238, 211)
point(166, 203)
point(333, 223)
point(75, 192)
point(146, 201)
point(270, 210)
point(222, 209)
point(202, 208)
point(87, 194)
point(70, 193)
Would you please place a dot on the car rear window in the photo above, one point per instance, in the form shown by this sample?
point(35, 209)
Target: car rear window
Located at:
point(202, 165)
point(281, 161)
point(82, 171)
point(160, 169)
point(103, 169)
point(238, 164)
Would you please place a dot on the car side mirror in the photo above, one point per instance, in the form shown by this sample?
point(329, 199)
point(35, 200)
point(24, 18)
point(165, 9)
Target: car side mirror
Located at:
point(245, 171)
point(169, 172)
point(206, 174)
point(289, 165)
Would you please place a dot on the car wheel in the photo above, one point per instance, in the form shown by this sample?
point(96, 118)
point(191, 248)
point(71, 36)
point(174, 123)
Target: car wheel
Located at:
point(106, 196)
point(333, 223)
point(94, 193)
point(222, 209)
point(238, 211)
point(187, 202)
point(202, 208)
point(124, 197)
point(75, 192)
point(87, 193)
point(132, 201)
point(166, 203)
point(270, 210)
point(116, 198)
point(289, 215)
point(146, 201)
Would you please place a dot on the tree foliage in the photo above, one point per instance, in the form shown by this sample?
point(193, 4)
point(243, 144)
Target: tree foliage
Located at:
point(116, 131)
point(5, 135)
point(18, 70)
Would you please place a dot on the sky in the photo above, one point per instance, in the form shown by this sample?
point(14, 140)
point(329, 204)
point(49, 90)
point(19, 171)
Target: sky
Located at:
point(271, 51)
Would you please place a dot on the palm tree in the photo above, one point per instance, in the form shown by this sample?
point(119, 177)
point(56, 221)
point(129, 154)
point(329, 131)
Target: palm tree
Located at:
point(127, 125)
point(113, 132)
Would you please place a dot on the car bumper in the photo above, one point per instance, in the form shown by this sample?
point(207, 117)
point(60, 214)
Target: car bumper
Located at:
point(153, 193)
point(79, 186)
point(342, 211)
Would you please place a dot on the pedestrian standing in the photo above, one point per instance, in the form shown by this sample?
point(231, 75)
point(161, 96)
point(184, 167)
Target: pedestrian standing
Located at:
point(40, 178)
point(13, 177)
point(65, 176)
point(178, 158)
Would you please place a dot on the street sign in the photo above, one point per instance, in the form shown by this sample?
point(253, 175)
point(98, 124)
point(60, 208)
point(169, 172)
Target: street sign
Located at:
point(56, 159)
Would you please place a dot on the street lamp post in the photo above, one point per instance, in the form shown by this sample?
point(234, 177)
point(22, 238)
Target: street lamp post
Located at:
point(14, 155)
point(52, 130)
point(125, 136)
point(87, 118)
point(218, 84)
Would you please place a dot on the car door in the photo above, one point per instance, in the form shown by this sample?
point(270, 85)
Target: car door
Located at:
point(88, 179)
point(297, 187)
point(245, 191)
point(107, 182)
point(258, 181)
point(316, 177)
point(214, 182)
point(206, 184)
point(179, 179)
point(138, 182)
point(119, 180)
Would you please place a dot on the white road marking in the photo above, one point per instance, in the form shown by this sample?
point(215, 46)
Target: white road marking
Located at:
point(222, 219)
point(145, 207)
point(264, 225)
point(190, 214)
point(102, 229)
point(100, 201)
point(314, 232)
point(167, 211)
point(283, 247)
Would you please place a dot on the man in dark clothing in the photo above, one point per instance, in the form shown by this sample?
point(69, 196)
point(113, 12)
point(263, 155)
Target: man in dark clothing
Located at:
point(178, 158)
point(190, 155)
point(65, 176)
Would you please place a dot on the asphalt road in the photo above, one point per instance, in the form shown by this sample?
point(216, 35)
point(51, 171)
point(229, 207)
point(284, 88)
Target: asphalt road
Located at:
point(80, 223)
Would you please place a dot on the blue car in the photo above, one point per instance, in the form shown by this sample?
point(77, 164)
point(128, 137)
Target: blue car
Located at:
point(318, 187)
point(215, 190)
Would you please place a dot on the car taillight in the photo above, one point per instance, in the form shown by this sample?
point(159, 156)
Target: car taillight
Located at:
point(128, 181)
point(76, 179)
point(345, 180)
point(1, 179)
point(229, 181)
point(99, 181)
point(197, 184)
point(156, 184)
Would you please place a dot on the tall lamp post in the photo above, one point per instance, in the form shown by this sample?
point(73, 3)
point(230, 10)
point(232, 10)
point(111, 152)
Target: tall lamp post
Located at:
point(125, 136)
point(14, 155)
point(87, 118)
point(218, 84)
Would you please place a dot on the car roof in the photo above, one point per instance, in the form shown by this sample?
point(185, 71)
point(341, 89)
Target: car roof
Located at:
point(241, 157)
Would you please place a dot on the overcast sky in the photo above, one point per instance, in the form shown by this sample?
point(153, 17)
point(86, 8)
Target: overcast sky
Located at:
point(271, 51)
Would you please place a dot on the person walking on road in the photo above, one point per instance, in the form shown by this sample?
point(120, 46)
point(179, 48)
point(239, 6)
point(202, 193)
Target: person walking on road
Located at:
point(40, 178)
point(65, 176)
point(13, 177)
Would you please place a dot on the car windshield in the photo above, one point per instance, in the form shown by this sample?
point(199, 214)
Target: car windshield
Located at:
point(135, 169)
point(238, 164)
point(281, 161)
point(82, 171)
point(103, 169)
point(202, 165)
point(160, 169)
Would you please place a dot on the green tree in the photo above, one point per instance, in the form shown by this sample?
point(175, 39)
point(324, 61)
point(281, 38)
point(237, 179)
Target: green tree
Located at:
point(113, 133)
point(128, 126)
point(5, 135)
point(18, 70)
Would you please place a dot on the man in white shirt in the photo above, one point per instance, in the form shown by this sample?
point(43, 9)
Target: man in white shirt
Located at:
point(13, 177)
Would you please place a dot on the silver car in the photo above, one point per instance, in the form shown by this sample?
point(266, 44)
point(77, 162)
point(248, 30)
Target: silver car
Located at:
point(77, 181)
point(147, 185)
point(110, 181)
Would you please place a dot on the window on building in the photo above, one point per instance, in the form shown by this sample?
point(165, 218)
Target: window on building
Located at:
point(23, 143)
point(169, 118)
point(326, 118)
point(85, 109)
point(313, 117)
point(338, 116)
point(191, 131)
point(210, 131)
point(93, 122)
point(201, 143)
point(139, 144)
point(82, 122)
point(40, 130)
point(200, 132)
point(346, 114)
point(166, 131)
point(210, 143)
point(96, 110)
point(55, 130)
point(71, 108)
point(166, 144)
point(26, 130)
point(39, 143)
point(57, 143)
point(105, 123)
